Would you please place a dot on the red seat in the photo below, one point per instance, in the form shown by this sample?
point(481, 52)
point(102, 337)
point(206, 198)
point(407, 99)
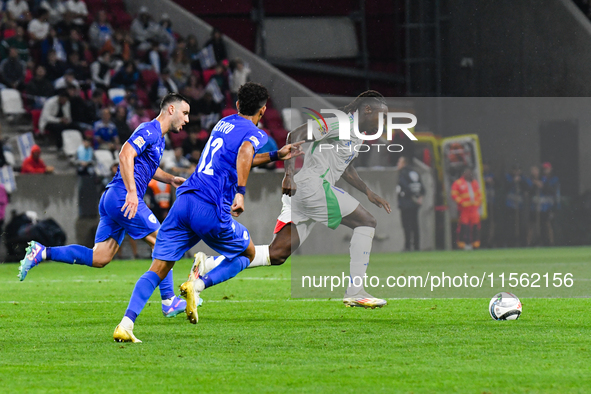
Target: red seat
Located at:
point(207, 74)
point(149, 77)
point(228, 112)
point(176, 139)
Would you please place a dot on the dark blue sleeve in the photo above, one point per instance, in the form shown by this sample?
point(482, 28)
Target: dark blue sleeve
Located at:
point(142, 138)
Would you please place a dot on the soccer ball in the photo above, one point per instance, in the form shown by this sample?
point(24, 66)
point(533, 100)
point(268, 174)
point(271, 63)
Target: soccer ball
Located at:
point(505, 306)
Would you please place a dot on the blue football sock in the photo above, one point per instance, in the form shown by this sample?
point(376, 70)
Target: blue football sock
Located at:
point(141, 294)
point(226, 270)
point(167, 287)
point(71, 254)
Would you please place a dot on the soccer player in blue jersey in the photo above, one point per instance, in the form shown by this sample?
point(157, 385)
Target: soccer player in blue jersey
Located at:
point(205, 205)
point(122, 208)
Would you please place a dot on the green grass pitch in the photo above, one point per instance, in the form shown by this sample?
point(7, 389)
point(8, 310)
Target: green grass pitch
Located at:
point(56, 336)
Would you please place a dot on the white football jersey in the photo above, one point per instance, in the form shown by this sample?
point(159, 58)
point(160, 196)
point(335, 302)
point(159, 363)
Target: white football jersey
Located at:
point(327, 157)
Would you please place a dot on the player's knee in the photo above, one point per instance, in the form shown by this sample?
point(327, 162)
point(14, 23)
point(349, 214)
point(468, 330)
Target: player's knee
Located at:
point(369, 221)
point(100, 261)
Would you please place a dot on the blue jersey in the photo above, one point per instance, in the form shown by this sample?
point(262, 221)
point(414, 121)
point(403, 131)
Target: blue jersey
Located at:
point(148, 142)
point(216, 176)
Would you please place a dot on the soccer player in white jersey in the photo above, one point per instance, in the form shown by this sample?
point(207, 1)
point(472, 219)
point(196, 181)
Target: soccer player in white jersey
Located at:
point(318, 200)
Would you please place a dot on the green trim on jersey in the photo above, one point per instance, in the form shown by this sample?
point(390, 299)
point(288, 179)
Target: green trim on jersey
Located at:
point(332, 203)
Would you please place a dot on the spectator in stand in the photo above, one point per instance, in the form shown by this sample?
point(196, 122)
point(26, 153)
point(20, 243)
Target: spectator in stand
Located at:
point(85, 157)
point(192, 52)
point(179, 68)
point(239, 76)
point(18, 10)
point(80, 71)
point(178, 164)
point(55, 68)
point(194, 89)
point(120, 122)
point(79, 109)
point(55, 8)
point(206, 110)
point(143, 29)
point(18, 42)
point(39, 89)
point(33, 164)
point(193, 142)
point(75, 44)
point(96, 105)
point(220, 78)
point(69, 78)
point(167, 38)
point(78, 11)
point(410, 198)
point(126, 77)
point(218, 45)
point(153, 57)
point(514, 204)
point(544, 194)
point(12, 70)
point(100, 32)
point(39, 28)
point(122, 43)
point(9, 29)
point(56, 117)
point(162, 87)
point(100, 71)
point(105, 132)
point(138, 118)
point(53, 42)
point(551, 201)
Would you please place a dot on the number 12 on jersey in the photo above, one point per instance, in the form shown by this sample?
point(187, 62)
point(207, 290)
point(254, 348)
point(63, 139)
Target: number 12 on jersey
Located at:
point(205, 165)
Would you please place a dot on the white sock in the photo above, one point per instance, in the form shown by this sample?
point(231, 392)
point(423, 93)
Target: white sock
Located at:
point(168, 302)
point(200, 285)
point(261, 257)
point(211, 262)
point(44, 254)
point(359, 250)
point(126, 323)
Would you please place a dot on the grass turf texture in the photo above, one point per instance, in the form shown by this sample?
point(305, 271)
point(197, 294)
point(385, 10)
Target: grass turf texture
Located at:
point(57, 337)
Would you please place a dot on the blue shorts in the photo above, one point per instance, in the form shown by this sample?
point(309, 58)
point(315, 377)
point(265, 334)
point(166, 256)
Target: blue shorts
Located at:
point(191, 220)
point(114, 225)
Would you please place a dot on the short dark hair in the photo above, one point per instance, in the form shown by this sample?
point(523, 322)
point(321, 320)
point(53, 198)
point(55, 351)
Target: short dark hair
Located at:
point(172, 98)
point(252, 97)
point(369, 97)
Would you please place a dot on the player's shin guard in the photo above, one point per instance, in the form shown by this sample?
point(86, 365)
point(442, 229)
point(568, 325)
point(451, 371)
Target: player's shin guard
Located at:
point(142, 292)
point(71, 254)
point(360, 250)
point(167, 287)
point(227, 269)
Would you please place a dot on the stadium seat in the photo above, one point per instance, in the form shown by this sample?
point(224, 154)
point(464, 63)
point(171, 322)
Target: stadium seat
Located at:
point(116, 95)
point(167, 154)
point(149, 77)
point(207, 74)
point(104, 160)
point(228, 112)
point(10, 159)
point(72, 140)
point(176, 139)
point(12, 103)
point(273, 119)
point(292, 118)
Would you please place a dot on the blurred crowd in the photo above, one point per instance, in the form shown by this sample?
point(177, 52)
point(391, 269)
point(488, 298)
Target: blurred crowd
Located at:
point(521, 207)
point(79, 67)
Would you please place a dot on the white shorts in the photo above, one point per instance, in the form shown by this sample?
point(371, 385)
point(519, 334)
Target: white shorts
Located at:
point(328, 206)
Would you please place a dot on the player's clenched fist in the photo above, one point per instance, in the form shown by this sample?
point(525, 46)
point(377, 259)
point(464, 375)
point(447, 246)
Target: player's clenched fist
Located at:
point(238, 206)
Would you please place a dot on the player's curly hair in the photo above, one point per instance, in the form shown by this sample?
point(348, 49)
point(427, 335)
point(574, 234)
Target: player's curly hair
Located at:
point(172, 98)
point(251, 98)
point(369, 97)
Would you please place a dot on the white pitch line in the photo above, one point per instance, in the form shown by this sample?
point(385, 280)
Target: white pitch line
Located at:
point(109, 280)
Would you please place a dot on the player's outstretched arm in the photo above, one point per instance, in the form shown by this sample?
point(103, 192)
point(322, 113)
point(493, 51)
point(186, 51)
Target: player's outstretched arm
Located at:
point(243, 165)
point(352, 178)
point(285, 153)
point(288, 185)
point(165, 177)
point(126, 163)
